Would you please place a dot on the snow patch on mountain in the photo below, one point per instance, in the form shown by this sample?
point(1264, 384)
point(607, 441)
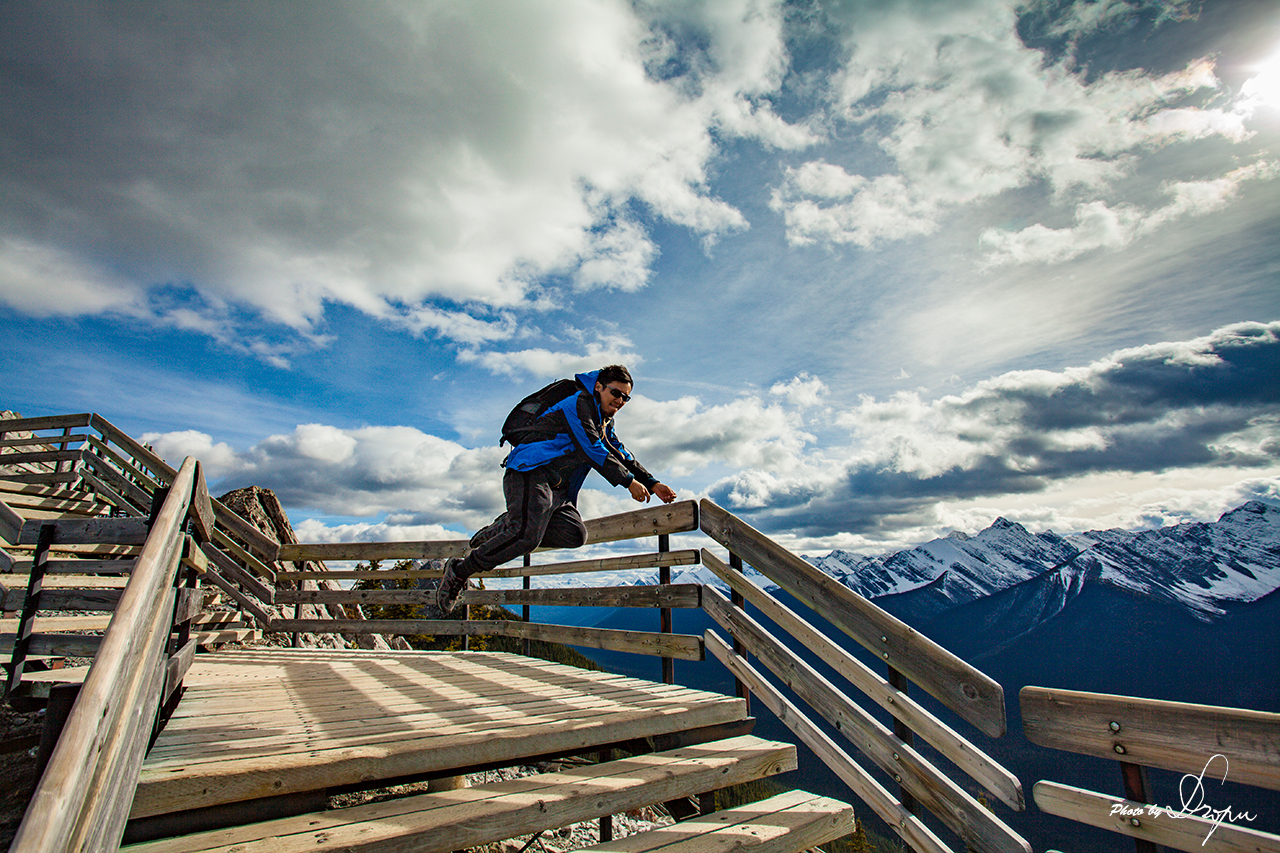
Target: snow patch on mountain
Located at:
point(1204, 567)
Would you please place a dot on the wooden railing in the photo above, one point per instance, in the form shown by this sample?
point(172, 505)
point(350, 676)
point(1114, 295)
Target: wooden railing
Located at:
point(659, 521)
point(83, 797)
point(1205, 742)
point(252, 569)
point(908, 656)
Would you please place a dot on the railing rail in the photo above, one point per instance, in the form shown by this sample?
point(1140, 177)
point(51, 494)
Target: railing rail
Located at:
point(1201, 741)
point(82, 800)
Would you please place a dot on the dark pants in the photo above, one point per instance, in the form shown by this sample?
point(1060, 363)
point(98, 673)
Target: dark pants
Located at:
point(538, 515)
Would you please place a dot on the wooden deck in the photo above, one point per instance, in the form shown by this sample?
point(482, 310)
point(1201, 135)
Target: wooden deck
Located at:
point(259, 723)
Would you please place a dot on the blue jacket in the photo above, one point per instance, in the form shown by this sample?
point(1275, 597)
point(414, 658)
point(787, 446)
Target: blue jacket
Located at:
point(580, 439)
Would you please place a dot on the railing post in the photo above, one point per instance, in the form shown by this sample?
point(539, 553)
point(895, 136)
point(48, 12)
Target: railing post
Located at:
point(26, 623)
point(904, 733)
point(739, 647)
point(525, 612)
point(664, 614)
point(1135, 789)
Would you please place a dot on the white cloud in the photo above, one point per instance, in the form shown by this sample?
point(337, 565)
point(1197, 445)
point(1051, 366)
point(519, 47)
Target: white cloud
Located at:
point(545, 363)
point(802, 391)
point(965, 112)
point(379, 154)
point(1099, 226)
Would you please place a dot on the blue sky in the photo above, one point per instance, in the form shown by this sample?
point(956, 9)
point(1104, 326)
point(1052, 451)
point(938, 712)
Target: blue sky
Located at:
point(882, 269)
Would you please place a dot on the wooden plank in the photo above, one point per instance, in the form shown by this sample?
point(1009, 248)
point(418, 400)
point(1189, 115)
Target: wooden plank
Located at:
point(1176, 736)
point(108, 481)
point(189, 602)
point(128, 469)
point(56, 645)
point(228, 568)
point(88, 531)
point(783, 823)
point(35, 457)
point(320, 552)
point(671, 518)
point(142, 456)
point(164, 790)
point(84, 791)
point(8, 425)
point(43, 477)
point(17, 500)
point(681, 595)
point(1165, 826)
point(260, 613)
point(629, 562)
point(369, 724)
point(10, 523)
point(232, 547)
point(48, 440)
point(74, 599)
point(40, 489)
point(964, 689)
point(108, 494)
point(969, 758)
point(202, 517)
point(176, 668)
point(912, 830)
point(687, 595)
point(48, 624)
point(79, 567)
point(682, 646)
point(965, 816)
point(193, 557)
point(470, 817)
point(266, 547)
point(678, 517)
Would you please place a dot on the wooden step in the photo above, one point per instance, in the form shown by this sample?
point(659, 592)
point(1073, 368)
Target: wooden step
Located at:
point(208, 639)
point(786, 823)
point(453, 820)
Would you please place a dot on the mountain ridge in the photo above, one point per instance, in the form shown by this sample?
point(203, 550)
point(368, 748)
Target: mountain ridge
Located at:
point(1204, 567)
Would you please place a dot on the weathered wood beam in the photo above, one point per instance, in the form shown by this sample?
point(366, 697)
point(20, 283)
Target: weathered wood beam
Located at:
point(682, 646)
point(981, 767)
point(1176, 736)
point(37, 424)
point(972, 694)
point(907, 825)
point(965, 816)
point(87, 531)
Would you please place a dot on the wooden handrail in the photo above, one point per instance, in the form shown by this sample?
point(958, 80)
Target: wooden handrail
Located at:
point(964, 689)
point(979, 827)
point(51, 422)
point(973, 761)
point(625, 563)
point(911, 828)
point(679, 517)
point(1177, 736)
point(82, 800)
point(679, 595)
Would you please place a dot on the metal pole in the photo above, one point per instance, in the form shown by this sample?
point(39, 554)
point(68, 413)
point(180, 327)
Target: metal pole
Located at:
point(664, 614)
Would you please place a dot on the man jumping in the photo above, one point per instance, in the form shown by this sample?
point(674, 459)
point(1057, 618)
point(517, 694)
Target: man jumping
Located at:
point(543, 476)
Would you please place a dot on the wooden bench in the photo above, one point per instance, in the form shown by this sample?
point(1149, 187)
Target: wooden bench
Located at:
point(454, 820)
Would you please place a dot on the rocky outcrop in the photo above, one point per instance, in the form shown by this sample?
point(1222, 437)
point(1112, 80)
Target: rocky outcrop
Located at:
point(261, 508)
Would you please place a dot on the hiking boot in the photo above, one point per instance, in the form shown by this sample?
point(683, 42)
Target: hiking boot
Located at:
point(451, 585)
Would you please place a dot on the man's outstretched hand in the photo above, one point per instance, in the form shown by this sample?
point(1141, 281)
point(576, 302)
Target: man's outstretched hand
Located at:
point(665, 492)
point(641, 494)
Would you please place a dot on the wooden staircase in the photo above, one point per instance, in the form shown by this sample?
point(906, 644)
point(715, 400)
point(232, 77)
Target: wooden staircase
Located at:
point(459, 819)
point(250, 744)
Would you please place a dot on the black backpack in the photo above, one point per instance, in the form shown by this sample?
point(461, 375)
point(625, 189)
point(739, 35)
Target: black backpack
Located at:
point(519, 425)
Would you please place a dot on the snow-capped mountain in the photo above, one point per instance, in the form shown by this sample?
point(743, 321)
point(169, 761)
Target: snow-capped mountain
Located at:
point(1202, 567)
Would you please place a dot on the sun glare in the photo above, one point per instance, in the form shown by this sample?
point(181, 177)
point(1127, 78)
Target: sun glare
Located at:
point(1265, 86)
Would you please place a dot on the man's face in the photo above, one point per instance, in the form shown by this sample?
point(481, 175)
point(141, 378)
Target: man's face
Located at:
point(613, 397)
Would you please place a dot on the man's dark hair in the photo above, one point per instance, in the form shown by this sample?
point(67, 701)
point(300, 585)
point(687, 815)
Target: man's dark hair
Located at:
point(615, 373)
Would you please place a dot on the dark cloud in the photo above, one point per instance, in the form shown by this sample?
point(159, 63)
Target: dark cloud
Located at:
point(1207, 402)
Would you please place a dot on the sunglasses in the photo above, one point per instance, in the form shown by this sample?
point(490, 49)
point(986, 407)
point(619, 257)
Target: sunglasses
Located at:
point(618, 394)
